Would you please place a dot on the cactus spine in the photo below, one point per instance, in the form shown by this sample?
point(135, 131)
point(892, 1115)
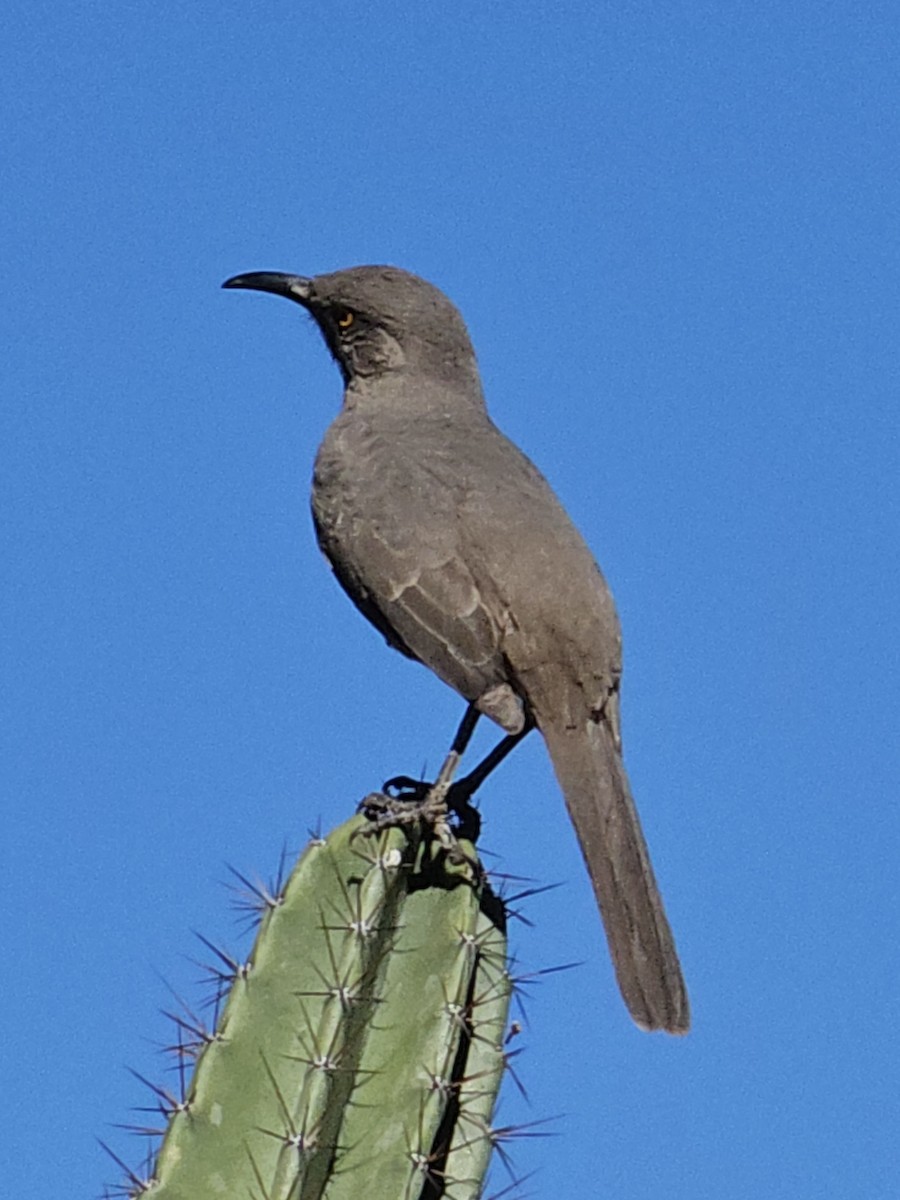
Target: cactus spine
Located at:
point(360, 1049)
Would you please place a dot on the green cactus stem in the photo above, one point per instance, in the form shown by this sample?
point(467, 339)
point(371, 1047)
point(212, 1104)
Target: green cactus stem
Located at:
point(360, 1051)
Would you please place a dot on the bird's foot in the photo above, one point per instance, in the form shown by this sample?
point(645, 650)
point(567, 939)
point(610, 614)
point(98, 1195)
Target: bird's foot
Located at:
point(405, 801)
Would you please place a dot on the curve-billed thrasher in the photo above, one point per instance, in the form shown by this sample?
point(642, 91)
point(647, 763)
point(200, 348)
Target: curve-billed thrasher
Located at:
point(454, 546)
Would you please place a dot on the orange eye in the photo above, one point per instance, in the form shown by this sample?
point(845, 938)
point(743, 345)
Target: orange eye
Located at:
point(346, 319)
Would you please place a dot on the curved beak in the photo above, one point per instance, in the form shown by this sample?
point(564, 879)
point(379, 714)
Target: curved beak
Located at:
point(293, 287)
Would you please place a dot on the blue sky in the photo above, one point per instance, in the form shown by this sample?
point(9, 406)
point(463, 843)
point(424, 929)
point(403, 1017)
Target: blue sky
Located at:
point(673, 231)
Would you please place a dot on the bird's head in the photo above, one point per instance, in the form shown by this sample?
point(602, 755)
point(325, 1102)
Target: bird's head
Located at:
point(378, 320)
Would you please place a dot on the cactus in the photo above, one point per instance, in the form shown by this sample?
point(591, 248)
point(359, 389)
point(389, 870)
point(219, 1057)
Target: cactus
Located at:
point(360, 1049)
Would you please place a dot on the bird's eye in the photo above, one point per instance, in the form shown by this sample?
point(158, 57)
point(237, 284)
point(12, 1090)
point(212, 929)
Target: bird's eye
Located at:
point(345, 318)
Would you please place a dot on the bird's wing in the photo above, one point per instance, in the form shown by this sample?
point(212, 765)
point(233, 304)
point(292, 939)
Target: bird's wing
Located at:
point(414, 585)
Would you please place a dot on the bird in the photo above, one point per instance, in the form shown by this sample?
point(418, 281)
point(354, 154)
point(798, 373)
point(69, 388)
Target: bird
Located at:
point(454, 546)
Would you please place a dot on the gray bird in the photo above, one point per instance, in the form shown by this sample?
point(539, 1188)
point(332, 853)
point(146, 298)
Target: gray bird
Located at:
point(455, 547)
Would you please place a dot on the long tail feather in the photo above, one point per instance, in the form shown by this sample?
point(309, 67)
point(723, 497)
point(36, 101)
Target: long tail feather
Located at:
point(592, 776)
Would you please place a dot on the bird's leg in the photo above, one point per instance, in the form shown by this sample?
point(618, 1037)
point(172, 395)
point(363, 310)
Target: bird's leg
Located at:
point(430, 802)
point(435, 806)
point(446, 796)
point(440, 788)
point(405, 800)
point(460, 793)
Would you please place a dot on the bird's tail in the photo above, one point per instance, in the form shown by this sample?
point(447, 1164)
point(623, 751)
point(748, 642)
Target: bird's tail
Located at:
point(592, 776)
